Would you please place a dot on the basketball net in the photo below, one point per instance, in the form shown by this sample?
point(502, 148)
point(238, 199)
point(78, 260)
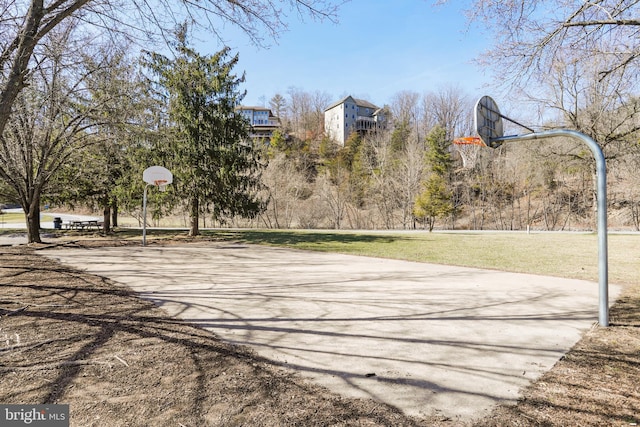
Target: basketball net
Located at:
point(469, 148)
point(161, 184)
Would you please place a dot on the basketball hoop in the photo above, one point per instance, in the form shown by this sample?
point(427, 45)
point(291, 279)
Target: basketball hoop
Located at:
point(469, 148)
point(157, 176)
point(161, 184)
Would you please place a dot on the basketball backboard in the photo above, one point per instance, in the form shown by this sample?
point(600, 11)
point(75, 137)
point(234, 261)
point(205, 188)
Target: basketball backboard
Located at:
point(157, 175)
point(488, 121)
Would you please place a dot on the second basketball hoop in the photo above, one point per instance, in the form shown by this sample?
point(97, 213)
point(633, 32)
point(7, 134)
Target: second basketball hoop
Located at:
point(157, 175)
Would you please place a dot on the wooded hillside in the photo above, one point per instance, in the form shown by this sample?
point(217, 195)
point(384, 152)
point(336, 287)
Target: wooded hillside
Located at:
point(377, 179)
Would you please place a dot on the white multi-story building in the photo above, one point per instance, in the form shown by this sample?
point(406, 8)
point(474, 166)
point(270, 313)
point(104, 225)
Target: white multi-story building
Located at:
point(262, 121)
point(350, 115)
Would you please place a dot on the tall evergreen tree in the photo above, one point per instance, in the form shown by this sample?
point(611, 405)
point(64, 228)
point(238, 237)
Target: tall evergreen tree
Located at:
point(435, 201)
point(438, 155)
point(215, 165)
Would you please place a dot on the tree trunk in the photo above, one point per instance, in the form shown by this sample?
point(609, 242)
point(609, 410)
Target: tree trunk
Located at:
point(114, 214)
point(106, 219)
point(32, 215)
point(194, 217)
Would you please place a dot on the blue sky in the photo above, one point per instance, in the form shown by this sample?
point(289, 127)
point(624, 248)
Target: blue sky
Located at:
point(377, 49)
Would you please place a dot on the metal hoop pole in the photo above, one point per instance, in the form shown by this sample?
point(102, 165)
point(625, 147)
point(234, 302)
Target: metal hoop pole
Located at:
point(144, 216)
point(601, 175)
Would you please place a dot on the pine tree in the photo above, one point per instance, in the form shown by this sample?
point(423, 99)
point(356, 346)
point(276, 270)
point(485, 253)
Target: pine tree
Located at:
point(214, 163)
point(435, 201)
point(438, 155)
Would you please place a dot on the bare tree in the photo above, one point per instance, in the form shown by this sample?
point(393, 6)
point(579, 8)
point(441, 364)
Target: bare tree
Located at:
point(450, 108)
point(285, 188)
point(530, 34)
point(632, 190)
point(393, 171)
point(299, 107)
point(333, 192)
point(576, 58)
point(53, 118)
point(409, 173)
point(306, 111)
point(405, 108)
point(605, 108)
point(378, 164)
point(315, 120)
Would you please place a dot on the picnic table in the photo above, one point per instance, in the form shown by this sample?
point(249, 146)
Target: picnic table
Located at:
point(82, 224)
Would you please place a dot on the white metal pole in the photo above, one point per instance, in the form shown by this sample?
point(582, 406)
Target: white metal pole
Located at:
point(601, 175)
point(144, 216)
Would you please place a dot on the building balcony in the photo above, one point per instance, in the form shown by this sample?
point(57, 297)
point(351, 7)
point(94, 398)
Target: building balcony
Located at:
point(365, 123)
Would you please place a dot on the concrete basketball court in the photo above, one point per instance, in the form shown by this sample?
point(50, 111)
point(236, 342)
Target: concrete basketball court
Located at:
point(427, 339)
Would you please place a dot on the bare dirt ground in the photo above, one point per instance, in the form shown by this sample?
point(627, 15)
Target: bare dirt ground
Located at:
point(71, 337)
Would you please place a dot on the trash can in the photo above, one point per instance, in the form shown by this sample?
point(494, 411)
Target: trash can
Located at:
point(57, 223)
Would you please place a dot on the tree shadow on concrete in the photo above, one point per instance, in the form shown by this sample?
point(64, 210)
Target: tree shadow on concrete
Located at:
point(71, 337)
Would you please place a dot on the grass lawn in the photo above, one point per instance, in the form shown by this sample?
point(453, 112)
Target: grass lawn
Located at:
point(18, 217)
point(572, 255)
point(11, 217)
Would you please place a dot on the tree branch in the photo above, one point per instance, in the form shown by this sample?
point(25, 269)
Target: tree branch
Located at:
point(629, 22)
